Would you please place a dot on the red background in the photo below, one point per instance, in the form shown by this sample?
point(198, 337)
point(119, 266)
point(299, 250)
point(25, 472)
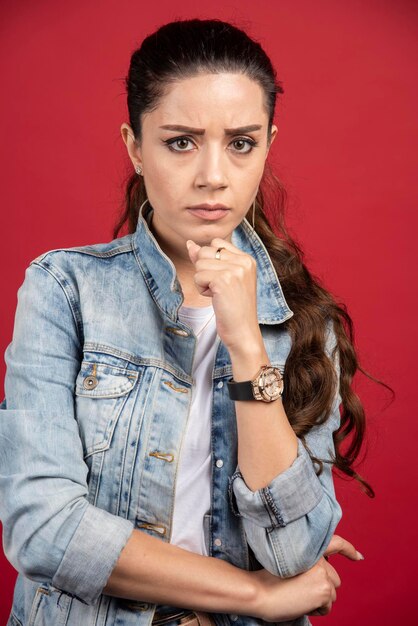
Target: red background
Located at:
point(346, 151)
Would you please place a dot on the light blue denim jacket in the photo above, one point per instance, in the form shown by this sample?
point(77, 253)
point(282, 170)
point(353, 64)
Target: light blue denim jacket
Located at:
point(97, 396)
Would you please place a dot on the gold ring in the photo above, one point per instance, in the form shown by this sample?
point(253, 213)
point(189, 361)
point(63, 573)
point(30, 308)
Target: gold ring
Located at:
point(218, 253)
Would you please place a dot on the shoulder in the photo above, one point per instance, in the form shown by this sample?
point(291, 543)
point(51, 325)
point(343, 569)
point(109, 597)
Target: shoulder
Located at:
point(63, 257)
point(122, 245)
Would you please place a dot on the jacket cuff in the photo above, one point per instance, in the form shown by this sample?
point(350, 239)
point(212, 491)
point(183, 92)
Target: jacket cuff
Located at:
point(289, 496)
point(92, 554)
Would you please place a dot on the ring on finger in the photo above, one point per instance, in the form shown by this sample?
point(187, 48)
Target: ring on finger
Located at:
point(218, 253)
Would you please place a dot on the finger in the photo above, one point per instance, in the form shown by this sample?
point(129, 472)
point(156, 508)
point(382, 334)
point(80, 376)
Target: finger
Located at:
point(199, 253)
point(205, 280)
point(217, 242)
point(216, 265)
point(209, 252)
point(338, 545)
point(333, 575)
point(323, 610)
point(193, 249)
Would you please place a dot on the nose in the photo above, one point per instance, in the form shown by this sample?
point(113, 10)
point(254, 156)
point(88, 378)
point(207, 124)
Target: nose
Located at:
point(211, 168)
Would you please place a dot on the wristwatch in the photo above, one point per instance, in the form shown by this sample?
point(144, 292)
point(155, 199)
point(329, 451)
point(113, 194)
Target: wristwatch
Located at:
point(266, 386)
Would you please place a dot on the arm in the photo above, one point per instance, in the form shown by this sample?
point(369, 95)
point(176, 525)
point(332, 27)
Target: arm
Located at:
point(159, 572)
point(289, 514)
point(50, 531)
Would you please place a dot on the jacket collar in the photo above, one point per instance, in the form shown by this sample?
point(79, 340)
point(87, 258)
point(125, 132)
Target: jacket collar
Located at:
point(160, 273)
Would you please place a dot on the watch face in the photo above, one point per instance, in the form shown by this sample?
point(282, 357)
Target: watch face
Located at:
point(270, 383)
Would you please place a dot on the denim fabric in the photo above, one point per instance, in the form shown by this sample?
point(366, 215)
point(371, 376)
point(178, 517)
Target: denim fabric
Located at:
point(97, 396)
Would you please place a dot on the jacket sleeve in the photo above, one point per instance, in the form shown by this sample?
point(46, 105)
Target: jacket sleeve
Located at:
point(50, 531)
point(290, 522)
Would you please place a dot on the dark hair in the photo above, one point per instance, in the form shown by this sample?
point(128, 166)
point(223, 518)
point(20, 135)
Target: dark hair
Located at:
point(183, 49)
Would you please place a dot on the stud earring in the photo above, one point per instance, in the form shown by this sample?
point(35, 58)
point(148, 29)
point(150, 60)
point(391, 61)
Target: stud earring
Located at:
point(138, 170)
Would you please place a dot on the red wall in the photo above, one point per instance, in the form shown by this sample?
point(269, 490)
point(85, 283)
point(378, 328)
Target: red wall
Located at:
point(347, 153)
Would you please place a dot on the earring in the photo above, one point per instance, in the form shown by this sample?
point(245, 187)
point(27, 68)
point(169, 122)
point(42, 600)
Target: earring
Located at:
point(138, 170)
point(253, 214)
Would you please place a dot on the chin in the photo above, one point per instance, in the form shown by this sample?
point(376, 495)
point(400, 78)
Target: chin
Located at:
point(208, 232)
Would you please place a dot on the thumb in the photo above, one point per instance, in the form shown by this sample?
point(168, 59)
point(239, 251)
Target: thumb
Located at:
point(192, 248)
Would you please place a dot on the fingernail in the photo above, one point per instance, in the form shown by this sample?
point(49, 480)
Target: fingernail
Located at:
point(360, 556)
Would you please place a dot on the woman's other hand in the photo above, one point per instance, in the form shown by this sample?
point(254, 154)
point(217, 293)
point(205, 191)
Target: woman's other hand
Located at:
point(311, 593)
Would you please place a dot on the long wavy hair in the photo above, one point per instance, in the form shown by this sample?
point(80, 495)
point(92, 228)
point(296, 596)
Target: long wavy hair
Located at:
point(183, 49)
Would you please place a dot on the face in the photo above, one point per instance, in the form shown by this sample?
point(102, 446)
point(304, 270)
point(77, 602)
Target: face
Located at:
point(217, 157)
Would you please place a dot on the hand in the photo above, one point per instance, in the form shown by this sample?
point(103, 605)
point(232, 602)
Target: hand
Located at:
point(310, 593)
point(283, 599)
point(337, 545)
point(231, 282)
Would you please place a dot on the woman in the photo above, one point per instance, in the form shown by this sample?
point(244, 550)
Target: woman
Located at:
point(172, 397)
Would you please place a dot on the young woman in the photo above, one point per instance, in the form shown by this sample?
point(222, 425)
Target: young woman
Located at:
point(173, 396)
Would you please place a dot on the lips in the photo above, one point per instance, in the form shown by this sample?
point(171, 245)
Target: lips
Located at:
point(212, 213)
point(209, 207)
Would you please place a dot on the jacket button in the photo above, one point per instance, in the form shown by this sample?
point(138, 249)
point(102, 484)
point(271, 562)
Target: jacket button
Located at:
point(234, 617)
point(90, 382)
point(219, 463)
point(178, 331)
point(220, 385)
point(217, 542)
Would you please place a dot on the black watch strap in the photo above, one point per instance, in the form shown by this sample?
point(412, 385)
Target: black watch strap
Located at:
point(240, 391)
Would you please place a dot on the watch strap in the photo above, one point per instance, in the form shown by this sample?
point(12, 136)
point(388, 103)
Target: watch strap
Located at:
point(240, 391)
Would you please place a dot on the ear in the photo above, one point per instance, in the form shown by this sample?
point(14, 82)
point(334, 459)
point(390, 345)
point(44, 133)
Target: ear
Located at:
point(131, 144)
point(273, 135)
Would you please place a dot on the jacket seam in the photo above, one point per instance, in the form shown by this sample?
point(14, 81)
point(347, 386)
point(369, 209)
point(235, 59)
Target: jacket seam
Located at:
point(69, 297)
point(16, 619)
point(99, 348)
point(271, 507)
point(121, 249)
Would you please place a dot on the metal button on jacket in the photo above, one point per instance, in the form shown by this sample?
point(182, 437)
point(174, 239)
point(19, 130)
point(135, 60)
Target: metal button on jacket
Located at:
point(90, 382)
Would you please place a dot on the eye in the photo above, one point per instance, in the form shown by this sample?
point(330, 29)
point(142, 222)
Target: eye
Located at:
point(242, 141)
point(177, 140)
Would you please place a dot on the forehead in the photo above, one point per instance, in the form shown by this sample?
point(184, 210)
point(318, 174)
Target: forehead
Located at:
point(206, 99)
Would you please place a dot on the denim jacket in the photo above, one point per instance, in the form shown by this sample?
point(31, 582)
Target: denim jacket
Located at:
point(97, 396)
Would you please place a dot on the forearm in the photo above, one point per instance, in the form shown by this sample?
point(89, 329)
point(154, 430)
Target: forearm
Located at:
point(267, 444)
point(151, 570)
point(290, 513)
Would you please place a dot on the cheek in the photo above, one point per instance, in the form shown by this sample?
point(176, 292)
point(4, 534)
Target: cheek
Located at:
point(164, 184)
point(247, 181)
point(159, 175)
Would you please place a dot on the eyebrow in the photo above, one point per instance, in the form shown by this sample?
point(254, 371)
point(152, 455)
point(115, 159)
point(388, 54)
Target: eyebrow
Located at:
point(201, 131)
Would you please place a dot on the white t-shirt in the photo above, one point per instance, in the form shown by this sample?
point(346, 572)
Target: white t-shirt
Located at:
point(193, 483)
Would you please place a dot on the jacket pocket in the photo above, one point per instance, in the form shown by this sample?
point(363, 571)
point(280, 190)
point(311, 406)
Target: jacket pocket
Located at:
point(104, 401)
point(102, 390)
point(49, 606)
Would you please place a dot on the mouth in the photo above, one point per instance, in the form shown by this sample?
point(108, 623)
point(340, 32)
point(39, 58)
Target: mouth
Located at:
point(209, 212)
